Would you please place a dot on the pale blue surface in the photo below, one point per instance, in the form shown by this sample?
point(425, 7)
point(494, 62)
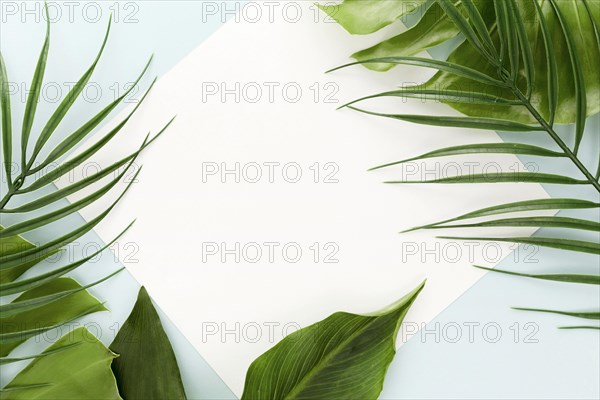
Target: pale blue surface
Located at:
point(562, 364)
point(169, 33)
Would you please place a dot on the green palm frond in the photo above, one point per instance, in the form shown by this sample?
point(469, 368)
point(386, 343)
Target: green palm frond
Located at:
point(50, 299)
point(521, 66)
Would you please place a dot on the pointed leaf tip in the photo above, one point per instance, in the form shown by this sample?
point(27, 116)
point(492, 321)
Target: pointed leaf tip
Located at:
point(147, 368)
point(326, 360)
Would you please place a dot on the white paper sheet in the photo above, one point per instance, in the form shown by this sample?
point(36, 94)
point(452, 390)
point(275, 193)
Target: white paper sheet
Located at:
point(343, 219)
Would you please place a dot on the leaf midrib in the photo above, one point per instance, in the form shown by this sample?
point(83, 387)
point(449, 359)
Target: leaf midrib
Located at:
point(301, 385)
point(71, 376)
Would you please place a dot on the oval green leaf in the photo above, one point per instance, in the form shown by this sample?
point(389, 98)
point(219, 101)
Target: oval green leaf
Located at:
point(345, 356)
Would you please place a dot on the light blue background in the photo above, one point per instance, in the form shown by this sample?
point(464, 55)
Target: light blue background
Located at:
point(557, 364)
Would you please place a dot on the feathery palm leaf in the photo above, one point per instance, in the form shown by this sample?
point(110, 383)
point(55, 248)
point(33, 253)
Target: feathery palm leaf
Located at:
point(49, 299)
point(505, 75)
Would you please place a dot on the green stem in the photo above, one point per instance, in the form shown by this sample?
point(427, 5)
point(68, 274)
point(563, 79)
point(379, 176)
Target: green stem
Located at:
point(545, 125)
point(568, 152)
point(12, 190)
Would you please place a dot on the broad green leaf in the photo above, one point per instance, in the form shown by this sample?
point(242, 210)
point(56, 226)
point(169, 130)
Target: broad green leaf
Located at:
point(81, 368)
point(541, 222)
point(368, 16)
point(556, 243)
point(38, 280)
point(545, 73)
point(18, 328)
point(34, 94)
point(570, 278)
point(9, 360)
point(458, 122)
point(502, 177)
point(20, 306)
point(483, 148)
point(578, 314)
point(594, 24)
point(6, 121)
point(23, 387)
point(432, 29)
point(345, 356)
point(584, 44)
point(146, 368)
point(22, 335)
point(38, 253)
point(23, 260)
point(9, 246)
point(77, 372)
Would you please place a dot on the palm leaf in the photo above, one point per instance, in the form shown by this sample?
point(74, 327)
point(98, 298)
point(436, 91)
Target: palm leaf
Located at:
point(483, 148)
point(520, 206)
point(9, 360)
point(20, 327)
point(555, 243)
point(597, 34)
point(524, 45)
point(501, 177)
point(512, 40)
point(527, 66)
point(452, 68)
point(578, 314)
point(33, 98)
point(454, 96)
point(56, 215)
point(77, 186)
point(546, 41)
point(49, 299)
point(571, 278)
point(479, 25)
point(551, 66)
point(538, 222)
point(6, 122)
point(65, 105)
point(17, 307)
point(77, 160)
point(77, 136)
point(458, 122)
point(31, 283)
point(580, 327)
point(578, 80)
